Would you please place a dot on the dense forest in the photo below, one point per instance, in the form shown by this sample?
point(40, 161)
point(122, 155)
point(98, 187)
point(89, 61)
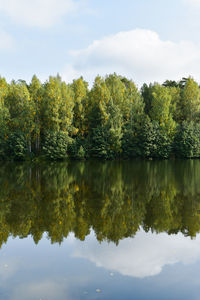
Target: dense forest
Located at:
point(113, 199)
point(113, 119)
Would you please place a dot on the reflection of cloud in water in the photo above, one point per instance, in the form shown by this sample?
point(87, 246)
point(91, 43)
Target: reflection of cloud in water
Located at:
point(8, 267)
point(144, 255)
point(41, 290)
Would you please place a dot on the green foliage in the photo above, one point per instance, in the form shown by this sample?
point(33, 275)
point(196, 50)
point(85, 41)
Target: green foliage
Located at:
point(190, 101)
point(98, 100)
point(57, 105)
point(146, 92)
point(17, 146)
point(106, 139)
point(187, 140)
point(155, 142)
point(76, 149)
point(55, 145)
point(3, 145)
point(21, 108)
point(80, 90)
point(113, 119)
point(36, 92)
point(100, 147)
point(81, 153)
point(131, 143)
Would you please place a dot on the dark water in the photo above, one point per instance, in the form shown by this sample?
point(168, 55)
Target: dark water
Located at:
point(93, 230)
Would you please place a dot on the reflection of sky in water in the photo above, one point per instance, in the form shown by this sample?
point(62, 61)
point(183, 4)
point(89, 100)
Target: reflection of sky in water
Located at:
point(149, 266)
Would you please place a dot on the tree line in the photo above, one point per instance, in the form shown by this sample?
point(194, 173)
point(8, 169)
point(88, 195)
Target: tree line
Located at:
point(113, 119)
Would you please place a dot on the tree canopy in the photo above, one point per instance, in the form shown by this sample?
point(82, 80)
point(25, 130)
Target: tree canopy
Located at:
point(112, 119)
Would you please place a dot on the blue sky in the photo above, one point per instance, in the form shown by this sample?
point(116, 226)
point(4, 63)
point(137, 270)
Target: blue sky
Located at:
point(146, 40)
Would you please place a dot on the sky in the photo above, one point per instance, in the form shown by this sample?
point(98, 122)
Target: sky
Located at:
point(144, 40)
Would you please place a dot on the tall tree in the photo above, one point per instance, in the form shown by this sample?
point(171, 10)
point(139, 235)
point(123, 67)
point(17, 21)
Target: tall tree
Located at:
point(36, 93)
point(51, 104)
point(80, 89)
point(190, 101)
point(161, 108)
point(4, 117)
point(22, 112)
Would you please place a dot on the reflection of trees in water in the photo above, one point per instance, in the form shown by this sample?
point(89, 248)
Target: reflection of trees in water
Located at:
point(112, 198)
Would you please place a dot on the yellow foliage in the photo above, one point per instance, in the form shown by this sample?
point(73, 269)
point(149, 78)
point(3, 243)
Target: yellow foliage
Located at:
point(76, 188)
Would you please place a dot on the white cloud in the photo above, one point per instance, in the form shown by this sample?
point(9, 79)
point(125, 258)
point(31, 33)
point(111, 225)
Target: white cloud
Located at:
point(142, 256)
point(138, 54)
point(39, 13)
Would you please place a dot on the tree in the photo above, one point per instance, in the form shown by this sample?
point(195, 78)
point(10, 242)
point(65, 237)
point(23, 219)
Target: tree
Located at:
point(80, 89)
point(66, 109)
point(146, 93)
point(187, 140)
point(21, 111)
point(160, 111)
point(51, 104)
point(36, 95)
point(98, 99)
point(106, 117)
point(4, 117)
point(190, 101)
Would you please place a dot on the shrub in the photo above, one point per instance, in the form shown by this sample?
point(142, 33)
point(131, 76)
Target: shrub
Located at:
point(155, 142)
point(17, 146)
point(187, 140)
point(55, 145)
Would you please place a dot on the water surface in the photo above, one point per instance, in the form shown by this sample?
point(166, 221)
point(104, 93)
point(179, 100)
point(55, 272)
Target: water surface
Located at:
point(94, 230)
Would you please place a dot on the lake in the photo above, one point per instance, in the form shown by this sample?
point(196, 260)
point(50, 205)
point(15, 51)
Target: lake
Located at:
point(100, 230)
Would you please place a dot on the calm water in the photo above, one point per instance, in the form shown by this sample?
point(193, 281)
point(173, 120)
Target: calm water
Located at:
point(91, 230)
